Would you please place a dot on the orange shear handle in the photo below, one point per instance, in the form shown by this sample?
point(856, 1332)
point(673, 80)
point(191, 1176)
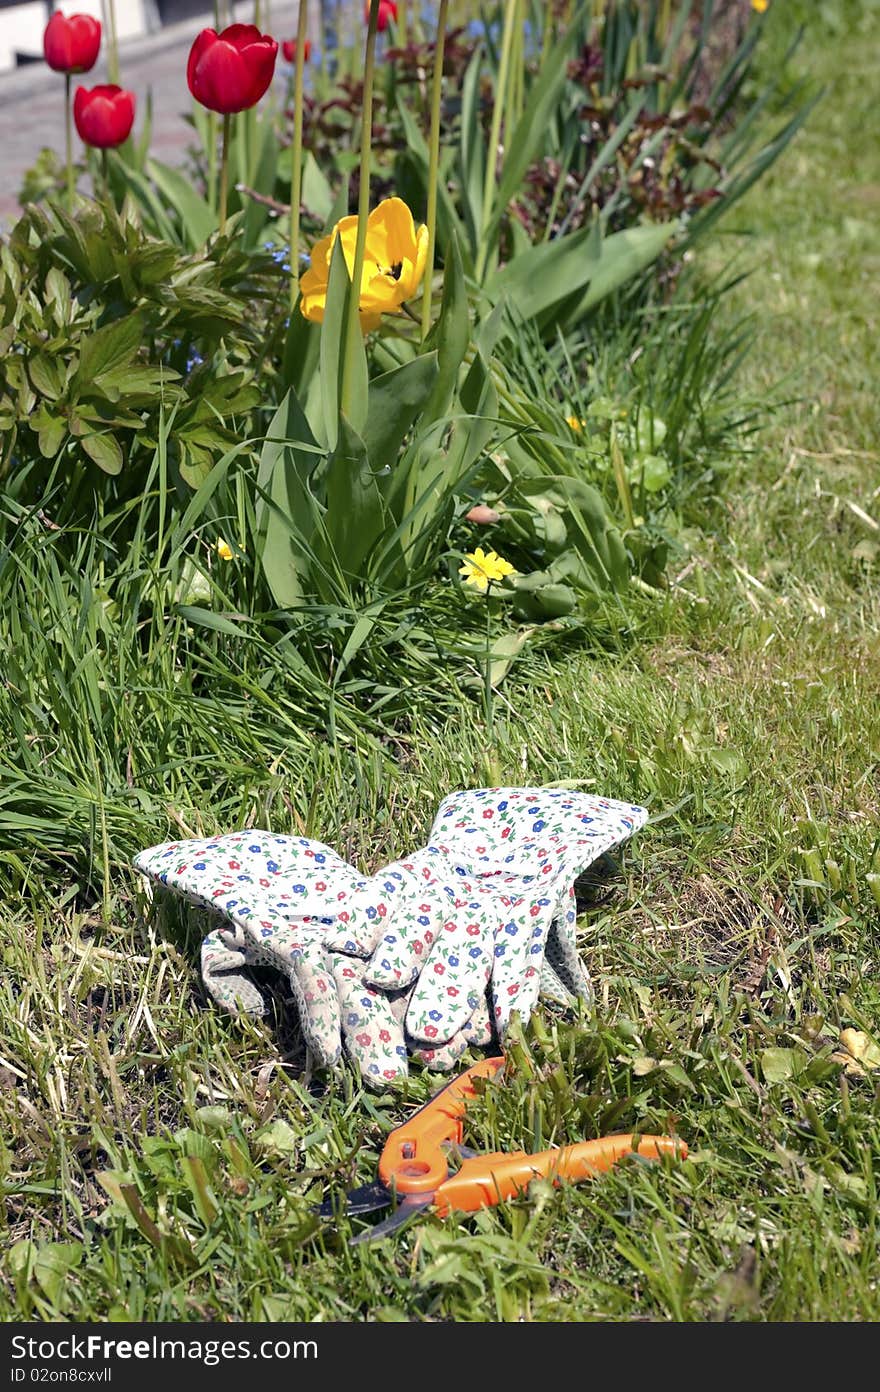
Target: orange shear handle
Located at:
point(413, 1160)
point(487, 1179)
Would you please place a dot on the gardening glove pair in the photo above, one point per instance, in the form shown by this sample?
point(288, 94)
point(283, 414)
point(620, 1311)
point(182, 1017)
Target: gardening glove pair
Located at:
point(275, 898)
point(482, 921)
point(451, 940)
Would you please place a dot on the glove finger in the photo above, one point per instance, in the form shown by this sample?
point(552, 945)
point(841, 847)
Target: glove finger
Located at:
point(418, 920)
point(518, 955)
point(314, 989)
point(223, 954)
point(453, 980)
point(477, 1033)
point(372, 1025)
point(370, 911)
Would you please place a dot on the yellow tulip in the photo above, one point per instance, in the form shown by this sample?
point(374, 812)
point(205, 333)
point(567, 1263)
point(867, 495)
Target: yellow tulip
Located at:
point(762, 6)
point(394, 263)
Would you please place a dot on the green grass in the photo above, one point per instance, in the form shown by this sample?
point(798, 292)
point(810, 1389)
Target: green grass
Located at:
point(740, 939)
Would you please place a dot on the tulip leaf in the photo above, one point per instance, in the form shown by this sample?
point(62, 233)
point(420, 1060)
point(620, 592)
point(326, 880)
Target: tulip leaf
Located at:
point(288, 512)
point(558, 282)
point(333, 335)
point(472, 151)
point(317, 195)
point(197, 218)
point(301, 347)
point(396, 398)
point(624, 255)
point(356, 515)
point(450, 335)
point(263, 181)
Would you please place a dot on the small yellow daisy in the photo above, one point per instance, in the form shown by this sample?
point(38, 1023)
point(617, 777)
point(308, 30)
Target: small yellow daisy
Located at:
point(224, 550)
point(761, 6)
point(575, 423)
point(481, 568)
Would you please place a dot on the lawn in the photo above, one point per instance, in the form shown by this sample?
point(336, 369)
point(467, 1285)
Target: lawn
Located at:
point(734, 955)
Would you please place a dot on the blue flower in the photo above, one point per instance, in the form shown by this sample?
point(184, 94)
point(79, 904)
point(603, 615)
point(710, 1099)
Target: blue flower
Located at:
point(434, 1015)
point(539, 826)
point(319, 859)
point(423, 919)
point(199, 865)
point(500, 949)
point(453, 961)
point(256, 849)
point(298, 889)
point(511, 929)
point(502, 807)
point(474, 952)
point(371, 913)
point(272, 867)
point(352, 1019)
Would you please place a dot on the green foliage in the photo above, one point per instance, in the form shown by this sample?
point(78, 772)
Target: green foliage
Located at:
point(104, 330)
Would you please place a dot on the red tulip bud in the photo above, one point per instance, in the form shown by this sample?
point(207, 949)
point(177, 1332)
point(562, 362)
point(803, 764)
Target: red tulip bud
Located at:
point(482, 515)
point(104, 116)
point(230, 71)
point(71, 44)
point(387, 12)
point(288, 48)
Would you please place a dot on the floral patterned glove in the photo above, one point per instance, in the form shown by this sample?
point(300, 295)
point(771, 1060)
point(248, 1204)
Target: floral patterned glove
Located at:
point(490, 902)
point(274, 898)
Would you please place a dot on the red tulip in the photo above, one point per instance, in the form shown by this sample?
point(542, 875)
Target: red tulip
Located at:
point(230, 71)
point(387, 12)
point(71, 45)
point(288, 48)
point(104, 116)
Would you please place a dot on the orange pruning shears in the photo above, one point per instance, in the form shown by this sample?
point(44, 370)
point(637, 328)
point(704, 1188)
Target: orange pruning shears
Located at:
point(414, 1165)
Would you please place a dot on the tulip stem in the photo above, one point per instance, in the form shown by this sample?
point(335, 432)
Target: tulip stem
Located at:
point(296, 151)
point(212, 159)
point(113, 51)
point(68, 117)
point(353, 326)
point(105, 174)
point(434, 163)
point(224, 172)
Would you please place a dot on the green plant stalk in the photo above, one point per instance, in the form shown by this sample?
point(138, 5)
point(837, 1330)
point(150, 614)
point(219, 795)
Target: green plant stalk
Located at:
point(68, 126)
point(434, 163)
point(510, 17)
point(622, 481)
point(212, 159)
point(353, 326)
point(488, 695)
point(105, 174)
point(296, 151)
point(517, 59)
point(112, 48)
point(224, 173)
